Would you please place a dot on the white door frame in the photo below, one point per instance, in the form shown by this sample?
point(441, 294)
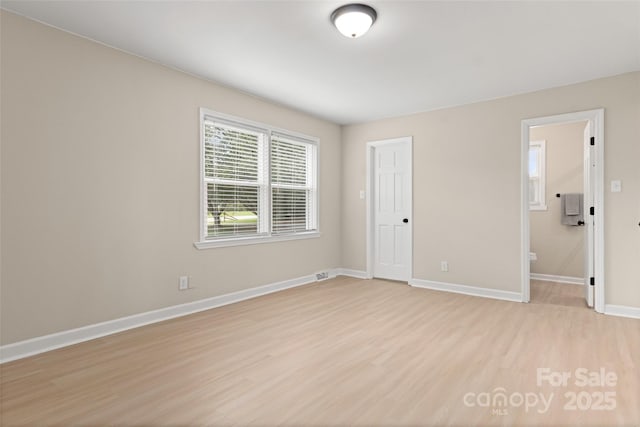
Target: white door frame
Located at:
point(597, 118)
point(370, 185)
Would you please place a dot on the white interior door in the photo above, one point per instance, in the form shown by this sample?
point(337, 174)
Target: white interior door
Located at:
point(392, 209)
point(589, 188)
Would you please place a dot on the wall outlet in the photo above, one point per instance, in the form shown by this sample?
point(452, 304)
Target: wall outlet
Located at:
point(444, 266)
point(183, 283)
point(322, 276)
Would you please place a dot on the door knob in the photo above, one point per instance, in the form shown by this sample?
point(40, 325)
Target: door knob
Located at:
point(406, 220)
point(580, 222)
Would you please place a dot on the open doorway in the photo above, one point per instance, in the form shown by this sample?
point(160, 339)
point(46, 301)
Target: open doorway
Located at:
point(556, 214)
point(562, 188)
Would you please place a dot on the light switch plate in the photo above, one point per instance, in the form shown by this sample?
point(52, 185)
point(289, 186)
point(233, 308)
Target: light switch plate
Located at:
point(616, 186)
point(362, 194)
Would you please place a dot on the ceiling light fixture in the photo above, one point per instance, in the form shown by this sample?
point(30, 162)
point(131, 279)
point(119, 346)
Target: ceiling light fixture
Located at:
point(353, 20)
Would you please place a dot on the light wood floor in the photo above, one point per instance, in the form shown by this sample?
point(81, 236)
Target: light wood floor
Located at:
point(543, 292)
point(339, 352)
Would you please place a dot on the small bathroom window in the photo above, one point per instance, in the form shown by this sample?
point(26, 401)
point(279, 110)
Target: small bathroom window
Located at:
point(537, 157)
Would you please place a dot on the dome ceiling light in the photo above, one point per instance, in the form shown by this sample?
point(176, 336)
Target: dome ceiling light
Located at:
point(354, 20)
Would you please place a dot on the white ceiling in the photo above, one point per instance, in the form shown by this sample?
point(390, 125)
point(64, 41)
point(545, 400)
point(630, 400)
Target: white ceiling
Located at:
point(418, 56)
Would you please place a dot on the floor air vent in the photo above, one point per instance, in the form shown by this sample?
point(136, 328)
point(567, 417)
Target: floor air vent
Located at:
point(322, 276)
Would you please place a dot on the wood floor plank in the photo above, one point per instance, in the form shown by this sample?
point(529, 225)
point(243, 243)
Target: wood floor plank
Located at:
point(339, 352)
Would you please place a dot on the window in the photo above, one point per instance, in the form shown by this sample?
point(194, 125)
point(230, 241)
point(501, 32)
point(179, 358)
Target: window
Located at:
point(537, 159)
point(259, 183)
point(292, 185)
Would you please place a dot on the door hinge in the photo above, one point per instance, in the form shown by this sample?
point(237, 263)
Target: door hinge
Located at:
point(592, 281)
point(592, 210)
point(593, 140)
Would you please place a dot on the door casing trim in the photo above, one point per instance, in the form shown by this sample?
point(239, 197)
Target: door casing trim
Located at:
point(370, 151)
point(596, 117)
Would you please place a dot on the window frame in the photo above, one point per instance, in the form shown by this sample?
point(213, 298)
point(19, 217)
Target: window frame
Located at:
point(269, 236)
point(541, 203)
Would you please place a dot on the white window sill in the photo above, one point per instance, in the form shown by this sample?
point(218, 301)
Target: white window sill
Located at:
point(538, 208)
point(243, 241)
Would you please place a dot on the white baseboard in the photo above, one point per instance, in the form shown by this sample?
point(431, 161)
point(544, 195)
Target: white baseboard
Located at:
point(622, 311)
point(44, 343)
point(467, 290)
point(559, 279)
point(358, 274)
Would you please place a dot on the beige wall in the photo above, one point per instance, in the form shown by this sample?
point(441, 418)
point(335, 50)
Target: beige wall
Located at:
point(559, 248)
point(99, 184)
point(467, 185)
point(100, 181)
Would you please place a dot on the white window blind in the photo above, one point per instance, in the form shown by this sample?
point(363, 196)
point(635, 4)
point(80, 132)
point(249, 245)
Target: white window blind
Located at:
point(233, 173)
point(258, 183)
point(292, 185)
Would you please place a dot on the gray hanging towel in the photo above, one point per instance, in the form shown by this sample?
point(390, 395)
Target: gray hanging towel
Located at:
point(571, 209)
